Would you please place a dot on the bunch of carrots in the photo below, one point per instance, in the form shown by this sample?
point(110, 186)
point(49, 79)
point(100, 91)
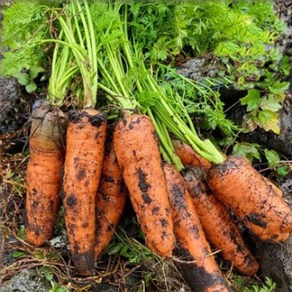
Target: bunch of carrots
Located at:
point(181, 187)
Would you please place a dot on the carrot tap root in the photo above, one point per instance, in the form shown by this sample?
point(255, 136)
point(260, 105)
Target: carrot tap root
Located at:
point(43, 180)
point(138, 155)
point(240, 187)
point(203, 274)
point(85, 142)
point(110, 199)
point(219, 226)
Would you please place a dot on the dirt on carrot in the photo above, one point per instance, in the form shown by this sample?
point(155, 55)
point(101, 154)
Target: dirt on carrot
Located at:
point(202, 273)
point(85, 142)
point(138, 155)
point(219, 226)
point(240, 187)
point(43, 178)
point(274, 187)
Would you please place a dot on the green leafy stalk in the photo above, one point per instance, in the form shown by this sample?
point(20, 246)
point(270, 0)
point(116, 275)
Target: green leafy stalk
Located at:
point(62, 72)
point(83, 49)
point(165, 112)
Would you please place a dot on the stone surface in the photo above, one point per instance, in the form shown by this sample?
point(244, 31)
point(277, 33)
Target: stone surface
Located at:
point(25, 281)
point(276, 263)
point(14, 106)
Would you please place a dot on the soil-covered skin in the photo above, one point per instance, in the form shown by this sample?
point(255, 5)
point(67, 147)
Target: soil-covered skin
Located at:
point(240, 187)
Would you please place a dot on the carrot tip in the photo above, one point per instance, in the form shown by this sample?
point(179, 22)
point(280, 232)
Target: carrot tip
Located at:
point(84, 263)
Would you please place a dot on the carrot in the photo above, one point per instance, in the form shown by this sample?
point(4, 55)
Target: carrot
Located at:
point(189, 157)
point(275, 188)
point(240, 187)
point(205, 273)
point(138, 155)
point(84, 155)
point(220, 229)
point(43, 172)
point(110, 199)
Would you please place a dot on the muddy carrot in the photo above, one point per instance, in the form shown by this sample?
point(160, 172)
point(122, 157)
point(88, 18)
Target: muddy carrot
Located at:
point(275, 188)
point(85, 141)
point(138, 155)
point(43, 172)
point(203, 274)
point(188, 156)
point(219, 226)
point(240, 187)
point(110, 199)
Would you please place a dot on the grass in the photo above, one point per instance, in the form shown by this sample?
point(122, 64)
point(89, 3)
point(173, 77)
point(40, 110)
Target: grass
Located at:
point(127, 263)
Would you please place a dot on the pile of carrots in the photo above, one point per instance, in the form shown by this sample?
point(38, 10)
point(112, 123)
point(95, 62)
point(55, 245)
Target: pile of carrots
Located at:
point(182, 200)
point(179, 213)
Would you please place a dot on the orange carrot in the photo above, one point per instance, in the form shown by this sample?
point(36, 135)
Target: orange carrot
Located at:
point(240, 187)
point(220, 229)
point(86, 135)
point(189, 157)
point(138, 155)
point(43, 173)
point(110, 199)
point(275, 188)
point(204, 271)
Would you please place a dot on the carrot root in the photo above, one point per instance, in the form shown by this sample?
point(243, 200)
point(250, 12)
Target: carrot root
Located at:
point(138, 155)
point(43, 173)
point(203, 274)
point(189, 157)
point(84, 155)
point(219, 226)
point(110, 200)
point(240, 187)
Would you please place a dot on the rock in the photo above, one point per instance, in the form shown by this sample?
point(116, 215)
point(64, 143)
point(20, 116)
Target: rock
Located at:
point(8, 97)
point(276, 263)
point(103, 288)
point(14, 113)
point(25, 281)
point(14, 105)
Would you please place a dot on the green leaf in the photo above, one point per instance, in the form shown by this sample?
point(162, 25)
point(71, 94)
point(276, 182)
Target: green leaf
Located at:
point(47, 272)
point(148, 278)
point(269, 121)
point(34, 71)
point(21, 232)
point(18, 253)
point(271, 104)
point(285, 65)
point(282, 170)
point(252, 99)
point(22, 78)
point(39, 254)
point(31, 87)
point(279, 87)
point(272, 157)
point(247, 150)
point(57, 288)
point(115, 249)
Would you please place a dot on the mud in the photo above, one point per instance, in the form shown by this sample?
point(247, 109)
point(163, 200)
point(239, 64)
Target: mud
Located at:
point(197, 277)
point(95, 120)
